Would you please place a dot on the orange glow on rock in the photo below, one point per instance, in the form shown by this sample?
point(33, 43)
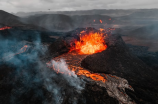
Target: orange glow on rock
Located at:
point(4, 28)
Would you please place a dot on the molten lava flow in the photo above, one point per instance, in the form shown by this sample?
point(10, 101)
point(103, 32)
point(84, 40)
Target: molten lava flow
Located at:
point(90, 43)
point(4, 28)
point(93, 76)
point(22, 50)
point(72, 64)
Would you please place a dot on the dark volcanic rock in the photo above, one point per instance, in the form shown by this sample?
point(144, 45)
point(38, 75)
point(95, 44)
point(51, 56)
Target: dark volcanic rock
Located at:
point(117, 60)
point(58, 47)
point(9, 19)
point(95, 94)
point(148, 57)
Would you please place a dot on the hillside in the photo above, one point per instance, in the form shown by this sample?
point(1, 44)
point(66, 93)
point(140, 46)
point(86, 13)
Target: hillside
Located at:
point(89, 19)
point(145, 32)
point(9, 19)
point(51, 21)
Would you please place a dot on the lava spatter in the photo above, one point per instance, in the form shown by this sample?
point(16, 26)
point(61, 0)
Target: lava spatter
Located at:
point(90, 43)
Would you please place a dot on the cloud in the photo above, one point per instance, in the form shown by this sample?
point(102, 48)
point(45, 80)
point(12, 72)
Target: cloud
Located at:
point(62, 5)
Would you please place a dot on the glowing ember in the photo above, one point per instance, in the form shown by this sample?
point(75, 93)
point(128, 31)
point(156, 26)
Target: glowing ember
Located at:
point(83, 31)
point(90, 43)
point(101, 29)
point(101, 21)
point(4, 28)
point(94, 20)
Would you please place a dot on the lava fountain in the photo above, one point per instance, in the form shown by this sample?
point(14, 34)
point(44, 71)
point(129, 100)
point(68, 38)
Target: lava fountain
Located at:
point(90, 43)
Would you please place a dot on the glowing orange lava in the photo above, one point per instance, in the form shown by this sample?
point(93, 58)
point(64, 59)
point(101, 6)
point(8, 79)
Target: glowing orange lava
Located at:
point(93, 76)
point(67, 67)
point(4, 28)
point(90, 43)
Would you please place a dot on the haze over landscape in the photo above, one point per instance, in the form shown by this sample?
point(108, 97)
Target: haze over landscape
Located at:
point(79, 52)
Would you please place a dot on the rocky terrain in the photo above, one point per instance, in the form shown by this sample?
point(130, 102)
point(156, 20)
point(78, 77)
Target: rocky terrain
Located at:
point(32, 42)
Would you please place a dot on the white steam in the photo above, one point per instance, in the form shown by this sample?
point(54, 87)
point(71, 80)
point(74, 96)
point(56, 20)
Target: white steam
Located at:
point(69, 75)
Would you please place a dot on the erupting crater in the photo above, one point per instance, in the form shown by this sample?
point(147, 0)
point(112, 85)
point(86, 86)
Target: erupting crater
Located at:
point(90, 43)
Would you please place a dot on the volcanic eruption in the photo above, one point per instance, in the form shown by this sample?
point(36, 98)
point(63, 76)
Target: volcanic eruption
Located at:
point(90, 42)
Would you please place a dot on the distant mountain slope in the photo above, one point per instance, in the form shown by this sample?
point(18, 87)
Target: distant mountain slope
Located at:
point(146, 32)
point(9, 19)
point(51, 21)
point(92, 19)
point(145, 13)
point(111, 12)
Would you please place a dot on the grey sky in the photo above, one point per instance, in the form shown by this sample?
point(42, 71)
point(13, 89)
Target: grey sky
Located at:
point(66, 5)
